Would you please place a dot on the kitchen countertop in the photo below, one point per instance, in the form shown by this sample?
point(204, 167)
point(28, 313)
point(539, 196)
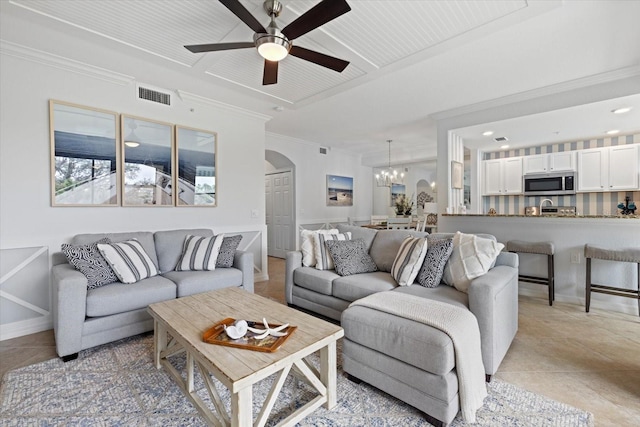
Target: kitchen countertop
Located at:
point(547, 216)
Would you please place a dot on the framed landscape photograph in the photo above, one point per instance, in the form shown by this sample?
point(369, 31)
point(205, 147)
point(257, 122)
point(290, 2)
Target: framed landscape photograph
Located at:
point(196, 166)
point(456, 175)
point(339, 190)
point(397, 190)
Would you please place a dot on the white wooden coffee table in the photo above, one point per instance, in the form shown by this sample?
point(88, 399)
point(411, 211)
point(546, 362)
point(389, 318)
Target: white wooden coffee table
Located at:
point(178, 327)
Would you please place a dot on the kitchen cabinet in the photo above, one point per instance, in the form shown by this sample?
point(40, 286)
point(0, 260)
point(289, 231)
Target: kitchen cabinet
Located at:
point(551, 162)
point(609, 168)
point(502, 176)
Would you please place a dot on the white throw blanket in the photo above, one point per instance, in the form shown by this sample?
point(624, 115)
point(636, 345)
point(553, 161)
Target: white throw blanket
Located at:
point(460, 324)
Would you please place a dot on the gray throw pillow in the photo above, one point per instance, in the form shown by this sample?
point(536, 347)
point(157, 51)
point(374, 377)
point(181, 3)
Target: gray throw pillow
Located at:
point(438, 254)
point(228, 251)
point(350, 257)
point(88, 260)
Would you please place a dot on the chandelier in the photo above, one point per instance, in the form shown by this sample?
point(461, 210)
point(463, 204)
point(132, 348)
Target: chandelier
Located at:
point(389, 176)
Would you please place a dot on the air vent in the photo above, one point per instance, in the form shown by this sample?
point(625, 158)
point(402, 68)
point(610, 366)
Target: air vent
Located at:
point(323, 150)
point(501, 139)
point(154, 95)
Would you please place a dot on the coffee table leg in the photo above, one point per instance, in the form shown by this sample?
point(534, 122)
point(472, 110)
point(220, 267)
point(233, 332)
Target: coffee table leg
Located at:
point(329, 373)
point(159, 341)
point(242, 408)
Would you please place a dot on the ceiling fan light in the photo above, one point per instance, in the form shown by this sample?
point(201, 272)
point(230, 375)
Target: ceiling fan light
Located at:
point(273, 47)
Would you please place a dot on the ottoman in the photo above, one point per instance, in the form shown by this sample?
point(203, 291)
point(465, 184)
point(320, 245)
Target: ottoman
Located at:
point(406, 359)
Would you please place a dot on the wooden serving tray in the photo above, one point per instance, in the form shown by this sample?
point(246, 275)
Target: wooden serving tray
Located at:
point(217, 335)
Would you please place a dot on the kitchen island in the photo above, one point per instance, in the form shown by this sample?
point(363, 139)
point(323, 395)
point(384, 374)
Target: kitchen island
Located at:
point(569, 234)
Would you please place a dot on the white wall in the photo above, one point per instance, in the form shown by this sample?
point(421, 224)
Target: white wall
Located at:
point(26, 217)
point(310, 172)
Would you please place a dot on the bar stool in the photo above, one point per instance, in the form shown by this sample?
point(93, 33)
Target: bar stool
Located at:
point(538, 248)
point(620, 255)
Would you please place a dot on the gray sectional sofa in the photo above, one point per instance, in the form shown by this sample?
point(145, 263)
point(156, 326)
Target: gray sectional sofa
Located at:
point(409, 360)
point(84, 318)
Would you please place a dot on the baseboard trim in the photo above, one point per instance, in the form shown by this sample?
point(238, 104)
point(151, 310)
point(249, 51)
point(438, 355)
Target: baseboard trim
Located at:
point(25, 327)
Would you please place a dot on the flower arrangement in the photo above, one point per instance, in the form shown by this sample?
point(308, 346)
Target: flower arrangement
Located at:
point(403, 205)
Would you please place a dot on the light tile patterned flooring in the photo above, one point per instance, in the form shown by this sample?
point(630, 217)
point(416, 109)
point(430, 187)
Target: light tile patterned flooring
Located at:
point(590, 361)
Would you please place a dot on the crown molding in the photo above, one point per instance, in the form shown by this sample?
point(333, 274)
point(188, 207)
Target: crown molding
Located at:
point(187, 96)
point(610, 76)
point(45, 58)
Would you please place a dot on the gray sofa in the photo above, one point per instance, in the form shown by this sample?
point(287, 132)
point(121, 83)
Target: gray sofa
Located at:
point(84, 318)
point(409, 360)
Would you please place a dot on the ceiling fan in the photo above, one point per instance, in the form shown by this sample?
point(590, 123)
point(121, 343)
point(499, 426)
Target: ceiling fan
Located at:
point(274, 44)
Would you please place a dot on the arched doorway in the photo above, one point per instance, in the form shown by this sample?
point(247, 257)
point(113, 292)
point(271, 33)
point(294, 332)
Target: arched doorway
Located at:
point(280, 204)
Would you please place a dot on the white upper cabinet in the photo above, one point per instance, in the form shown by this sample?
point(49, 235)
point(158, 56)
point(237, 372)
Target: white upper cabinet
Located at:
point(609, 169)
point(502, 176)
point(551, 162)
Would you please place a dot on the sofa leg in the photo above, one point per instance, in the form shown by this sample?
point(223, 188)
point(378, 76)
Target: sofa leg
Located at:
point(354, 379)
point(69, 357)
point(487, 378)
point(434, 421)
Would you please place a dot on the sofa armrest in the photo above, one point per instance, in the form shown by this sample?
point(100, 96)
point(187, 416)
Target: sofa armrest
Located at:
point(243, 261)
point(493, 299)
point(509, 259)
point(69, 308)
point(293, 261)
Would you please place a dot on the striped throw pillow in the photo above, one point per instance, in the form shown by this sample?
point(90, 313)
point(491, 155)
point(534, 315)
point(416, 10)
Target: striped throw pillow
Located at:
point(128, 260)
point(199, 253)
point(323, 256)
point(409, 260)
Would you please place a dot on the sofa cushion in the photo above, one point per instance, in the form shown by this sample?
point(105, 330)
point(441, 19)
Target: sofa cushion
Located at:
point(351, 288)
point(409, 260)
point(129, 260)
point(323, 257)
point(386, 244)
point(144, 237)
point(169, 245)
point(442, 293)
point(350, 257)
point(313, 279)
point(308, 245)
point(472, 257)
point(199, 253)
point(119, 298)
point(195, 282)
point(89, 261)
point(438, 254)
point(228, 251)
point(357, 232)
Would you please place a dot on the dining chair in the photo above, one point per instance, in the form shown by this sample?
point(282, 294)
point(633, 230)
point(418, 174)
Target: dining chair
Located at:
point(378, 219)
point(398, 223)
point(422, 221)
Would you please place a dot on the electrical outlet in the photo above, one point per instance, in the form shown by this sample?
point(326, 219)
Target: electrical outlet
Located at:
point(575, 257)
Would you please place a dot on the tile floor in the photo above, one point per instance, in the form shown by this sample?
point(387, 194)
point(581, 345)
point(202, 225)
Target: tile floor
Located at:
point(590, 361)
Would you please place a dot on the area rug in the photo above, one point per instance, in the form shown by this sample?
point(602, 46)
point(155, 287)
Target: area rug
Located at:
point(117, 385)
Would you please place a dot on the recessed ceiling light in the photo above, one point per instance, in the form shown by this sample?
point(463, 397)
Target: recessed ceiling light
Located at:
point(613, 132)
point(487, 133)
point(621, 110)
point(505, 146)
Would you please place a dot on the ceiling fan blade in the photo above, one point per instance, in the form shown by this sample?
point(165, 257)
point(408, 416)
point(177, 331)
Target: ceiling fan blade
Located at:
point(318, 15)
point(212, 47)
point(245, 16)
point(327, 61)
point(270, 75)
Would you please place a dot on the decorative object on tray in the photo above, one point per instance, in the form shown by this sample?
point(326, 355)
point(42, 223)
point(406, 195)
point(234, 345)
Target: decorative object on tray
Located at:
point(248, 336)
point(628, 207)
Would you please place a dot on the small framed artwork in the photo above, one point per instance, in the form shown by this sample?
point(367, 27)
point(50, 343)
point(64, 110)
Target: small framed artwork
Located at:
point(339, 190)
point(456, 175)
point(397, 190)
point(196, 166)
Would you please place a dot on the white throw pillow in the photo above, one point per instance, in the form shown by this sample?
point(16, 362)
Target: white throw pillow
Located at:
point(323, 256)
point(409, 260)
point(199, 253)
point(307, 245)
point(472, 257)
point(128, 260)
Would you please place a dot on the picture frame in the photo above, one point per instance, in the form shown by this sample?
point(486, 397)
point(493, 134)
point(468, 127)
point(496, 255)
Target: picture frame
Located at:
point(85, 155)
point(196, 164)
point(148, 177)
point(397, 190)
point(339, 190)
point(456, 175)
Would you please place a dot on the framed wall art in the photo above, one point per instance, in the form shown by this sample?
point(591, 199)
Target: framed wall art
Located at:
point(339, 190)
point(397, 190)
point(196, 164)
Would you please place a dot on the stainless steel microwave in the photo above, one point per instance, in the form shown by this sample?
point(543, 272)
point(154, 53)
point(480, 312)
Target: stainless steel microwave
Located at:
point(549, 184)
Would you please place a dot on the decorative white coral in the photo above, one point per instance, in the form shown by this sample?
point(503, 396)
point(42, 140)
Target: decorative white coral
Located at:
point(263, 333)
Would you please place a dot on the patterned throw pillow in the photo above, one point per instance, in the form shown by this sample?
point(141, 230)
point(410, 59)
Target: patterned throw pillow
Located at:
point(228, 251)
point(409, 260)
point(350, 257)
point(88, 260)
point(308, 242)
point(438, 254)
point(199, 253)
point(129, 260)
point(323, 257)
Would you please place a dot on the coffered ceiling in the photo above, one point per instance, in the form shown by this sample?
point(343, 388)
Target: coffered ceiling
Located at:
point(408, 59)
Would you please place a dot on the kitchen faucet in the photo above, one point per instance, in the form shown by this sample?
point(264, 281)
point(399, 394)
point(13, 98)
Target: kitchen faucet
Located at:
point(542, 203)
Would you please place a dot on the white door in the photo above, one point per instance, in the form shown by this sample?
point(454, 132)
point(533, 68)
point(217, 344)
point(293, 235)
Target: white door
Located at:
point(279, 213)
point(591, 165)
point(492, 176)
point(513, 175)
point(623, 167)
